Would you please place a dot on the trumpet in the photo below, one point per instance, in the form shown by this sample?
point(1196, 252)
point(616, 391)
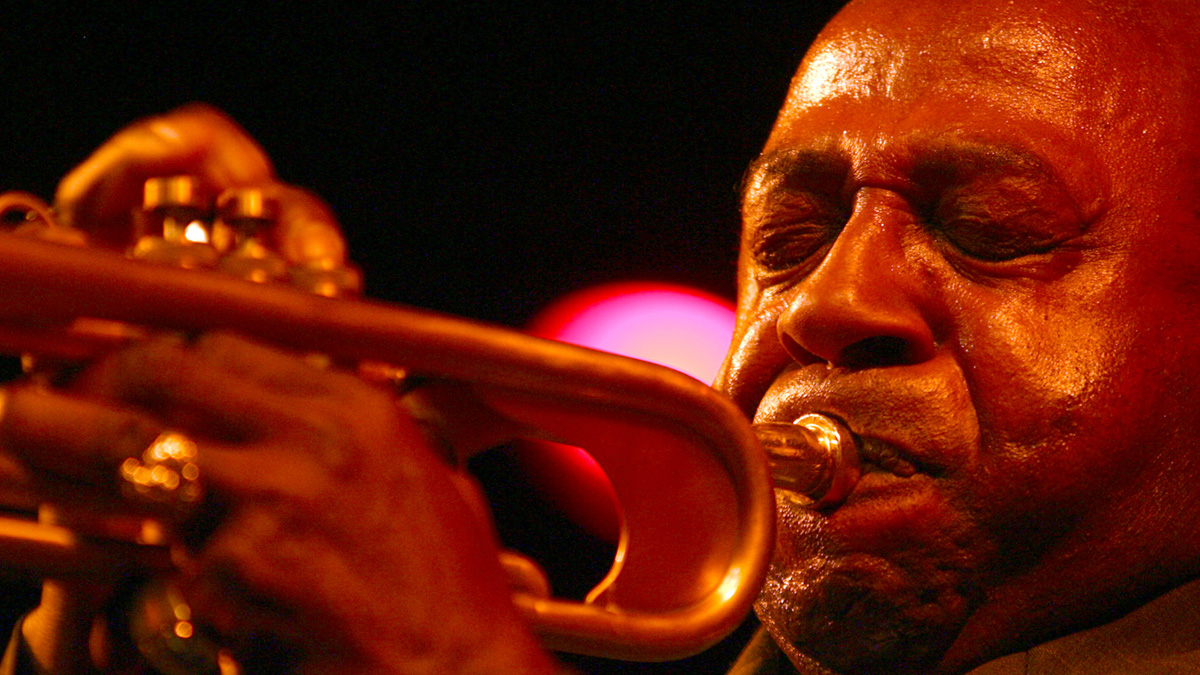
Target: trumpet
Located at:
point(694, 487)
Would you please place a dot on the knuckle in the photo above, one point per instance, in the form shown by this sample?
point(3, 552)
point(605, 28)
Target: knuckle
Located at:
point(350, 434)
point(218, 345)
point(147, 371)
point(329, 438)
point(131, 435)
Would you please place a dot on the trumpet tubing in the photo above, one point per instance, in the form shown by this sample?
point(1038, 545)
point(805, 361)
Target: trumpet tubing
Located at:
point(694, 488)
point(694, 491)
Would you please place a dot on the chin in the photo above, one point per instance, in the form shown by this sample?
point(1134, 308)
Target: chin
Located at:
point(862, 612)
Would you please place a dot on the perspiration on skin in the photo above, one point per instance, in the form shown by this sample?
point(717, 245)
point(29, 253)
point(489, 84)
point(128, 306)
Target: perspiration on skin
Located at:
point(971, 235)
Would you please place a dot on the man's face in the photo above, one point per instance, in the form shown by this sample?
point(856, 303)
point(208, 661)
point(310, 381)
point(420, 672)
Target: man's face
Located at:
point(972, 237)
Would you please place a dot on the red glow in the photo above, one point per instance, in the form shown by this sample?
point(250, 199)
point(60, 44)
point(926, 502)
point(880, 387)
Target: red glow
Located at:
point(674, 326)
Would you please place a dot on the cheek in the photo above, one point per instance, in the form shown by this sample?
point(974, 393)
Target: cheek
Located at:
point(755, 355)
point(1031, 374)
point(1046, 381)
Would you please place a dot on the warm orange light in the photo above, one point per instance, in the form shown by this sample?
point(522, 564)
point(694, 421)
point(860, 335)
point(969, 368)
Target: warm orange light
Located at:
point(196, 233)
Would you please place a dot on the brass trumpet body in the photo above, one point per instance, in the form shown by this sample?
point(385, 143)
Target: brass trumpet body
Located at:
point(693, 487)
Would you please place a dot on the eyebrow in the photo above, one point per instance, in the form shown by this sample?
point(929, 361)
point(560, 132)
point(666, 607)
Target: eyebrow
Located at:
point(963, 158)
point(794, 165)
point(935, 161)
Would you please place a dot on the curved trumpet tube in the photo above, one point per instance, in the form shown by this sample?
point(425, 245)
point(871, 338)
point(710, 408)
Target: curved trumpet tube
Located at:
point(694, 489)
point(693, 485)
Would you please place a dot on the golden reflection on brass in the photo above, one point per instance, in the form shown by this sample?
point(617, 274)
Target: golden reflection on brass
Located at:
point(697, 510)
point(166, 473)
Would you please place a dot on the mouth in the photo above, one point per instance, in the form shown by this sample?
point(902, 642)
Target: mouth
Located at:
point(817, 456)
point(878, 455)
point(906, 427)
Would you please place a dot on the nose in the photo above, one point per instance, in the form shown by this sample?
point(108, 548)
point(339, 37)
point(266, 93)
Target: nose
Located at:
point(862, 307)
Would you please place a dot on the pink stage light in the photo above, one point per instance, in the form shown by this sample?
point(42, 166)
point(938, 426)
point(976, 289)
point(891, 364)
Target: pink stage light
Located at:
point(673, 326)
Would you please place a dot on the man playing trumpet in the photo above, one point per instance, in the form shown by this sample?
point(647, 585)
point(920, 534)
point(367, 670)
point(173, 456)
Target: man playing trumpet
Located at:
point(971, 236)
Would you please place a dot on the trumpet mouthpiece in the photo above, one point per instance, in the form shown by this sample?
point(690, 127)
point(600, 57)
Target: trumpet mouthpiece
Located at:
point(815, 456)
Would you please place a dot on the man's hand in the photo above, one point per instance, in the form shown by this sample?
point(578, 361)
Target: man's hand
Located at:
point(331, 538)
point(99, 195)
point(330, 534)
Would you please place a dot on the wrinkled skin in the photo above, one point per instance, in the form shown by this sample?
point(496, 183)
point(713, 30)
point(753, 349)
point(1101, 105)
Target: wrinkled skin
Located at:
point(333, 540)
point(972, 235)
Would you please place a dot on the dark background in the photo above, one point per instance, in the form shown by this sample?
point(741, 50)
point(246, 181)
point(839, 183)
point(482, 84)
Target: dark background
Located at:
point(483, 158)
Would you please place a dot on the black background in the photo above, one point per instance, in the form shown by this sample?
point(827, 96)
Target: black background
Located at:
point(483, 158)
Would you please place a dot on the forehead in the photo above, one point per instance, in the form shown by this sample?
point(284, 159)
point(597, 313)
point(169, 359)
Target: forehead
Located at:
point(868, 62)
point(1056, 64)
point(1103, 91)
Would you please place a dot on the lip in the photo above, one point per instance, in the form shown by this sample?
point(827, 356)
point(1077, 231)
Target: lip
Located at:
point(908, 424)
point(882, 505)
point(876, 453)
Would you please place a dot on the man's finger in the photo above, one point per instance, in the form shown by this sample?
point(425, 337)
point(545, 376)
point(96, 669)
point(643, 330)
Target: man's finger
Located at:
point(99, 195)
point(186, 391)
point(70, 438)
point(307, 230)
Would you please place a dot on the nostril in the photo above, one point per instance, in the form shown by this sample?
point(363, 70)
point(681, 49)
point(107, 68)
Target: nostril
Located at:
point(877, 351)
point(799, 354)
